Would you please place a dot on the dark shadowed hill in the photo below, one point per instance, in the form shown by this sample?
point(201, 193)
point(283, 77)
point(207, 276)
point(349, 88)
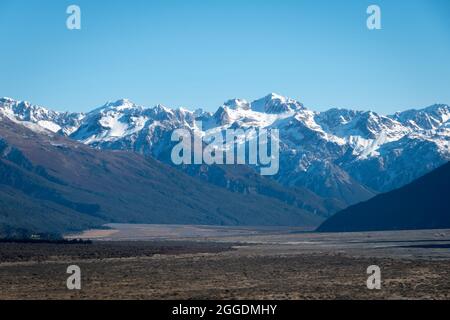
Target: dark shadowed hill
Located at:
point(422, 204)
point(49, 183)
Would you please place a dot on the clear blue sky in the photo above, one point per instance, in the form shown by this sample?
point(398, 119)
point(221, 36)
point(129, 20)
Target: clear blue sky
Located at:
point(198, 53)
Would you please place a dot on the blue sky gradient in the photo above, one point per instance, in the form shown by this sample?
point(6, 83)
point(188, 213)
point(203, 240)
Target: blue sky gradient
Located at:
point(198, 53)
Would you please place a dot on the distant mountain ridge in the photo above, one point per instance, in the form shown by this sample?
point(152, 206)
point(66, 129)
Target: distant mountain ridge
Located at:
point(339, 154)
point(422, 204)
point(51, 184)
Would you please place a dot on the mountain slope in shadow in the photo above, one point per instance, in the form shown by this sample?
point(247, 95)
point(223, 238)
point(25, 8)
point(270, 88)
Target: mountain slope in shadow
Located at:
point(49, 183)
point(422, 204)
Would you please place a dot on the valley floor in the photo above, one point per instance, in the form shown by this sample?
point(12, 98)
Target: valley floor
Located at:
point(196, 262)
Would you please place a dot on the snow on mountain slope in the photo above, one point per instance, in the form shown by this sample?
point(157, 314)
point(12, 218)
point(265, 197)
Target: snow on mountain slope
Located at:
point(364, 124)
point(340, 153)
point(125, 125)
point(51, 120)
point(274, 103)
point(430, 118)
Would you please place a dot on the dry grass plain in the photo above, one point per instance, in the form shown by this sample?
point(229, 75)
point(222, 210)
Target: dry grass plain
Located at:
point(194, 262)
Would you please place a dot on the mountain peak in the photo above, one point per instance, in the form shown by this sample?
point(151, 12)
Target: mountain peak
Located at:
point(162, 108)
point(121, 103)
point(274, 95)
point(432, 117)
point(118, 105)
point(7, 100)
point(438, 108)
point(275, 103)
point(236, 104)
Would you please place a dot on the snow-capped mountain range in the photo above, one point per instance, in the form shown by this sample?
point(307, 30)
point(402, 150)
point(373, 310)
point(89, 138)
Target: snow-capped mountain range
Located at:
point(340, 153)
